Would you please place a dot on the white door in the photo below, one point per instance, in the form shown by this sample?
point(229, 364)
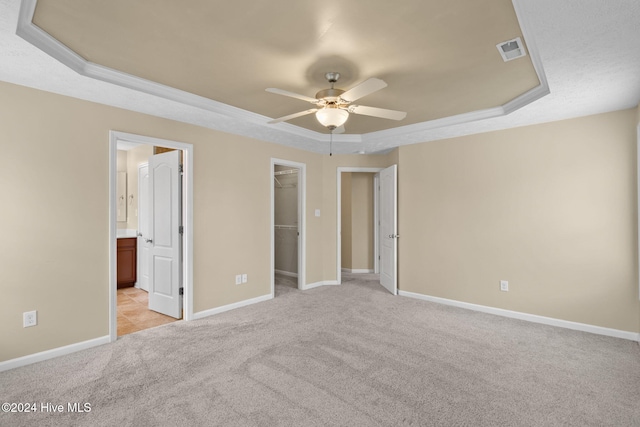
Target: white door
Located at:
point(389, 229)
point(165, 237)
point(143, 227)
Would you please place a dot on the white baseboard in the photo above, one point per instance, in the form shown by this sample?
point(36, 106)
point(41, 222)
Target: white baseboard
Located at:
point(616, 333)
point(356, 270)
point(50, 354)
point(286, 273)
point(321, 283)
point(218, 310)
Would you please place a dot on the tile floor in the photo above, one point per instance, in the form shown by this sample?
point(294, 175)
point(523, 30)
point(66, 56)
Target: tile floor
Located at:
point(134, 314)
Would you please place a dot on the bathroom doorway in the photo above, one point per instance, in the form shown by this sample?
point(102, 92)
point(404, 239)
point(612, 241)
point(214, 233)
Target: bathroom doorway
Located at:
point(151, 262)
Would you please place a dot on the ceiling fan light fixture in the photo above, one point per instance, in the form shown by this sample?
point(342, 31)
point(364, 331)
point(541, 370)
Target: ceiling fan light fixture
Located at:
point(332, 117)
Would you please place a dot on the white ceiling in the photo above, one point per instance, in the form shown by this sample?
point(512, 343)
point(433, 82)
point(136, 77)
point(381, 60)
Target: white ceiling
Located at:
point(589, 50)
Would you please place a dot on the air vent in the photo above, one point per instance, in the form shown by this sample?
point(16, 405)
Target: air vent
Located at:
point(511, 49)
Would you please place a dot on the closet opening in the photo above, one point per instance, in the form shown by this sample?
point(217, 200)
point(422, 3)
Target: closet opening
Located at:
point(287, 226)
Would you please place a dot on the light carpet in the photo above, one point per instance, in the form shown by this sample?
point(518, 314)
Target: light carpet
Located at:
point(350, 355)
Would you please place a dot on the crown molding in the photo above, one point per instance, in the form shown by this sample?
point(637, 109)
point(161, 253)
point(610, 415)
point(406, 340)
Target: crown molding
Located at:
point(255, 125)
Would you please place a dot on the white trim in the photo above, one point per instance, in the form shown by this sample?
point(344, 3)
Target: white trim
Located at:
point(616, 333)
point(233, 306)
point(50, 354)
point(321, 283)
point(376, 223)
point(187, 221)
point(357, 270)
point(27, 30)
point(285, 273)
point(638, 197)
point(376, 202)
point(302, 220)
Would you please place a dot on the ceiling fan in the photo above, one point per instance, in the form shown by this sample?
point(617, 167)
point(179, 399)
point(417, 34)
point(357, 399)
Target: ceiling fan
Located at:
point(333, 106)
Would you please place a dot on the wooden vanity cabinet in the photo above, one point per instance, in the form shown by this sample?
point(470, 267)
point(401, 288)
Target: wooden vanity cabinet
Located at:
point(127, 262)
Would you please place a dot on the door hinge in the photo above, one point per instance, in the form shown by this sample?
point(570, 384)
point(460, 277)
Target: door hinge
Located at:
point(181, 169)
point(181, 291)
point(181, 229)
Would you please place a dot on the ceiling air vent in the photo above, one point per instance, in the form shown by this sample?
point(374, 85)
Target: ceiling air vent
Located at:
point(511, 49)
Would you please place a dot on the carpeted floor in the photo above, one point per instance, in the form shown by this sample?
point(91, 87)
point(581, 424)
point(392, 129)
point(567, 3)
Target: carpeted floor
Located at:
point(350, 355)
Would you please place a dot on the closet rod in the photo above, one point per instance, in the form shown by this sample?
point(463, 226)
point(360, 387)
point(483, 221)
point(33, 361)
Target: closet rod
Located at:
point(286, 172)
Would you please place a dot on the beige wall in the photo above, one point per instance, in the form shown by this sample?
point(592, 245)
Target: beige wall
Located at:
point(357, 220)
point(362, 221)
point(551, 208)
point(52, 262)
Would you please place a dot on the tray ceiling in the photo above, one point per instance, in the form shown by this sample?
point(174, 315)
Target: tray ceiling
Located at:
point(439, 58)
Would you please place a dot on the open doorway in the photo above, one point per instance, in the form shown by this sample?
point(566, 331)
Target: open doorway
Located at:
point(287, 231)
point(151, 232)
point(358, 219)
point(373, 195)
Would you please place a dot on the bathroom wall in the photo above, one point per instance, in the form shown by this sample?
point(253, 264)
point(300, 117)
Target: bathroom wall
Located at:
point(121, 167)
point(135, 157)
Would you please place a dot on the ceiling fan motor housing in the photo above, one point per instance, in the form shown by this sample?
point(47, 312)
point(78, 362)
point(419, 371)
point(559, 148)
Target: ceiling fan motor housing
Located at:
point(330, 95)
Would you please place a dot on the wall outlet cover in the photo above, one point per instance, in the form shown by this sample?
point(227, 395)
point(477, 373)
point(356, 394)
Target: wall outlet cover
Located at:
point(29, 318)
point(238, 279)
point(504, 285)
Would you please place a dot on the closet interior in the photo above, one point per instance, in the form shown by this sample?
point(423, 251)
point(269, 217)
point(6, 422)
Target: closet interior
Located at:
point(286, 226)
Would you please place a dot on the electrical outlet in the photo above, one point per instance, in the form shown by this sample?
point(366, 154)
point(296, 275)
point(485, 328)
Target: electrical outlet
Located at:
point(29, 318)
point(244, 278)
point(238, 279)
point(504, 285)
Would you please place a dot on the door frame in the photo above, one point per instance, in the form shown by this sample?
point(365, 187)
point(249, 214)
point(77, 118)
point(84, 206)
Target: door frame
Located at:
point(302, 203)
point(138, 262)
point(376, 218)
point(187, 221)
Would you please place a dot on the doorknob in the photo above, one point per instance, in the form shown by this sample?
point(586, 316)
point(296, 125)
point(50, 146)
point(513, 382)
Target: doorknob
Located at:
point(148, 240)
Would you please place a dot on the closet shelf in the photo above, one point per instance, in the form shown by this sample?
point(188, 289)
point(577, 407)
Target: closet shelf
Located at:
point(286, 172)
point(285, 227)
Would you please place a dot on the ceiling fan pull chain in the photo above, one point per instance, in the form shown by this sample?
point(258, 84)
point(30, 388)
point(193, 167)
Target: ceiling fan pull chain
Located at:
point(331, 143)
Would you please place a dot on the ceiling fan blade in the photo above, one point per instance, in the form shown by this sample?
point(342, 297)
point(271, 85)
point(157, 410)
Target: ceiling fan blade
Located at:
point(378, 112)
point(292, 95)
point(363, 89)
point(292, 116)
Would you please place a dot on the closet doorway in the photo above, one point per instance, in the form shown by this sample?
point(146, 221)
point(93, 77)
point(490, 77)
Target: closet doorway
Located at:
point(287, 231)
